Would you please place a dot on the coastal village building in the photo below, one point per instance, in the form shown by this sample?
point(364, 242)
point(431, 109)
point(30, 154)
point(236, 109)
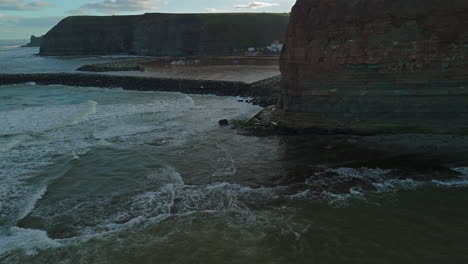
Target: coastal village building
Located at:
point(276, 47)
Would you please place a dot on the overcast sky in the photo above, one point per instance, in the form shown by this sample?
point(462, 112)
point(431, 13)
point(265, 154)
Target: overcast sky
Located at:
point(21, 18)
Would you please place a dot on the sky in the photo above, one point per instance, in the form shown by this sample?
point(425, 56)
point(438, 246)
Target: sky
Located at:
point(19, 19)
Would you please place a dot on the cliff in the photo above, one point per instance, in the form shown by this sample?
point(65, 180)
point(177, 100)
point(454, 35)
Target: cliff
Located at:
point(376, 65)
point(164, 34)
point(34, 42)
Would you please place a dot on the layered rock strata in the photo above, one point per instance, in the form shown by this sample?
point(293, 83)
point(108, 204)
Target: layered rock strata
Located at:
point(377, 65)
point(164, 34)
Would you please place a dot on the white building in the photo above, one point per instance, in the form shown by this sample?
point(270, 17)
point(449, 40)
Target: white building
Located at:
point(276, 46)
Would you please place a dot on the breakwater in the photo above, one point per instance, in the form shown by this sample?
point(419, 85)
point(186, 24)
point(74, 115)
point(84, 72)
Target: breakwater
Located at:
point(220, 88)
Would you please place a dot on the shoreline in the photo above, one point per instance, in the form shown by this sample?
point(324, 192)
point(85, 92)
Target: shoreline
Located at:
point(419, 157)
point(233, 69)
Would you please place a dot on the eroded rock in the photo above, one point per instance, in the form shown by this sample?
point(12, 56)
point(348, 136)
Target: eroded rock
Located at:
point(377, 65)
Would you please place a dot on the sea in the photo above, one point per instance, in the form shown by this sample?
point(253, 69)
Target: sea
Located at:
point(92, 175)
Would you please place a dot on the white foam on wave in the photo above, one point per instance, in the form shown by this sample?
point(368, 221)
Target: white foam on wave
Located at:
point(369, 177)
point(29, 205)
point(9, 47)
point(10, 144)
point(17, 197)
point(461, 182)
point(175, 199)
point(123, 130)
point(39, 119)
point(26, 240)
point(68, 130)
point(167, 175)
point(452, 183)
point(170, 200)
point(84, 115)
point(462, 170)
point(222, 171)
point(360, 182)
point(124, 120)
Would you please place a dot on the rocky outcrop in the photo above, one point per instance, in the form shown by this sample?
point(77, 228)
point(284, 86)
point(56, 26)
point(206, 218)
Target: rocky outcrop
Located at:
point(164, 34)
point(112, 67)
point(377, 65)
point(34, 41)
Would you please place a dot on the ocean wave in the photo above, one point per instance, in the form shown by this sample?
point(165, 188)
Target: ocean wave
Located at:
point(461, 182)
point(462, 170)
point(119, 212)
point(339, 186)
point(41, 144)
point(29, 241)
point(40, 119)
point(7, 144)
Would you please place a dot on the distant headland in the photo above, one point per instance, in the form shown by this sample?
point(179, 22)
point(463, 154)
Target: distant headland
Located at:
point(165, 34)
point(34, 41)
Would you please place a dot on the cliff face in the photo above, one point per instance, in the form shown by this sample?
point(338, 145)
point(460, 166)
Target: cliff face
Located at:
point(164, 34)
point(398, 65)
point(34, 41)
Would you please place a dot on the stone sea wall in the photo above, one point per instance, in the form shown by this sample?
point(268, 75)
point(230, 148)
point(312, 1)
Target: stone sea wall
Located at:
point(377, 65)
point(260, 91)
point(164, 34)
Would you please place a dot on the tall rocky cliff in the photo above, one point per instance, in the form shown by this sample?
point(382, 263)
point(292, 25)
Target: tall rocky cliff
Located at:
point(377, 65)
point(164, 34)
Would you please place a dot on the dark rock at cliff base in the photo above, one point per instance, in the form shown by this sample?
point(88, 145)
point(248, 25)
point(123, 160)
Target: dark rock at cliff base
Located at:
point(223, 122)
point(164, 34)
point(35, 41)
point(112, 67)
point(377, 66)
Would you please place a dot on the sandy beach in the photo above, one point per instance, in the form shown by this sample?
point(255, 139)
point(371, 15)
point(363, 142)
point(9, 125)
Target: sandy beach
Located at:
point(232, 73)
point(233, 69)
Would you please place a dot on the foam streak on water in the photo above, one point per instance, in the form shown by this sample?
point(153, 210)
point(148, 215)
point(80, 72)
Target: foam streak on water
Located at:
point(45, 130)
point(39, 119)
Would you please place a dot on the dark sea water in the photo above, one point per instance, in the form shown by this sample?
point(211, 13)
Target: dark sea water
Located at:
point(93, 175)
point(15, 59)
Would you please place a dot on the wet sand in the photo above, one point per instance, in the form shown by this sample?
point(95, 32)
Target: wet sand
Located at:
point(232, 69)
point(231, 73)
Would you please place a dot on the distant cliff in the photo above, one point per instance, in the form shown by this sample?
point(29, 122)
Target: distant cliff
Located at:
point(164, 34)
point(34, 42)
point(377, 65)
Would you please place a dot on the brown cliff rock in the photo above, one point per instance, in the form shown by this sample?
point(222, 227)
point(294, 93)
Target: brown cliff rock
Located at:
point(377, 65)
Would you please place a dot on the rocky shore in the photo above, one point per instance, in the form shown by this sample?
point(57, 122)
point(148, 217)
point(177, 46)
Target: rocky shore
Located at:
point(113, 67)
point(339, 164)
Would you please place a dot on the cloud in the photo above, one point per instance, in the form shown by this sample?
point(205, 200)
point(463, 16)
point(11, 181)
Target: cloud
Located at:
point(18, 21)
point(211, 10)
point(79, 12)
point(116, 6)
point(18, 27)
point(21, 5)
point(5, 18)
point(255, 5)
